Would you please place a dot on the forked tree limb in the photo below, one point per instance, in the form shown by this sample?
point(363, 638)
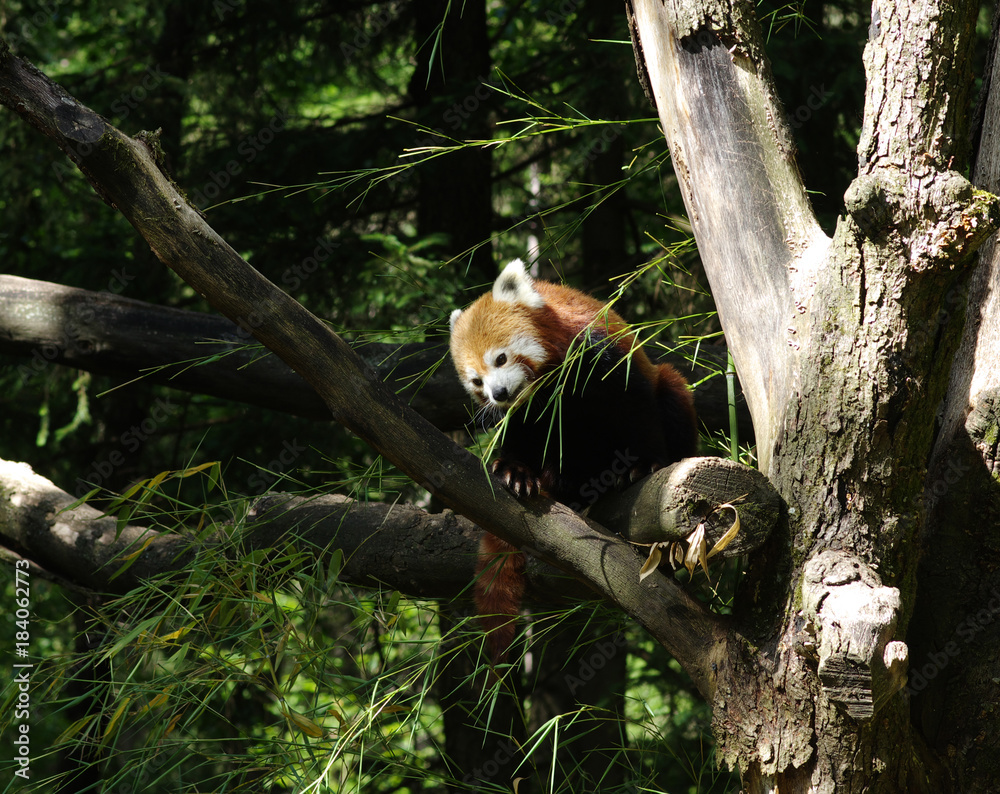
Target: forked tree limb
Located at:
point(843, 355)
point(733, 154)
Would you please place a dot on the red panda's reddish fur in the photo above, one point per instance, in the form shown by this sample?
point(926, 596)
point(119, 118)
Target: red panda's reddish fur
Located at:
point(498, 592)
point(533, 324)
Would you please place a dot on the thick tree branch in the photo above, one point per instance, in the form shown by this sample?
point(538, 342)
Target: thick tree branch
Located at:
point(78, 545)
point(125, 173)
point(731, 149)
point(203, 353)
point(429, 555)
point(113, 335)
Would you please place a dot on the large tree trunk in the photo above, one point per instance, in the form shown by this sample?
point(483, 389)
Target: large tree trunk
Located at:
point(843, 347)
point(954, 638)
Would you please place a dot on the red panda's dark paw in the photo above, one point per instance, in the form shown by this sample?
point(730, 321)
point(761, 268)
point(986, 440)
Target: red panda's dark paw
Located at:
point(638, 472)
point(519, 479)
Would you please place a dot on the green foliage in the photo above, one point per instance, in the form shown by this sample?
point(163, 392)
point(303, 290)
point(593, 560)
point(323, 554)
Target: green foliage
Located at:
point(262, 671)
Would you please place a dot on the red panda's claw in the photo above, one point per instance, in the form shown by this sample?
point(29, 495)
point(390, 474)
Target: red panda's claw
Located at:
point(518, 479)
point(638, 472)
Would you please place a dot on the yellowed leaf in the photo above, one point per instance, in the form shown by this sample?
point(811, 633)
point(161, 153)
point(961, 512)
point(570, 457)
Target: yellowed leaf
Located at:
point(652, 561)
point(304, 724)
point(115, 717)
point(176, 635)
point(75, 728)
point(173, 723)
point(695, 549)
point(731, 533)
point(141, 549)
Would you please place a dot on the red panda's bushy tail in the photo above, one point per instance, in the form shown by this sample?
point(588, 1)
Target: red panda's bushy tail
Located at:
point(499, 589)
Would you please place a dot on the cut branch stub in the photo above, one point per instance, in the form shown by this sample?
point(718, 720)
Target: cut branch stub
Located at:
point(850, 623)
point(670, 505)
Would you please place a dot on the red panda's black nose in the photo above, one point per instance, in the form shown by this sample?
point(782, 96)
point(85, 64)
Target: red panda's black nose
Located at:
point(501, 394)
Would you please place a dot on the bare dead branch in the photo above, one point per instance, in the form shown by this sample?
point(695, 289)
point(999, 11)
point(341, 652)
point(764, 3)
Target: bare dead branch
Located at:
point(731, 148)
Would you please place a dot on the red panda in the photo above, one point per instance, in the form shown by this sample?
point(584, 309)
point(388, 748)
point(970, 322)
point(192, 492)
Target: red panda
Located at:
point(607, 418)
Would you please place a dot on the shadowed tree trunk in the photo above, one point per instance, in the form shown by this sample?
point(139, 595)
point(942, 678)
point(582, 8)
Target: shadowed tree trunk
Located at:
point(844, 346)
point(456, 192)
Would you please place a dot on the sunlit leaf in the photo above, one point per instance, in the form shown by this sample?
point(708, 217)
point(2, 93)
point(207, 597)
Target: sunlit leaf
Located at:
point(652, 561)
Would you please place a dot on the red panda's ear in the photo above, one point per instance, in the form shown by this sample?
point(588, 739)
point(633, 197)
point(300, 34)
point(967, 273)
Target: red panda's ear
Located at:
point(514, 285)
point(454, 318)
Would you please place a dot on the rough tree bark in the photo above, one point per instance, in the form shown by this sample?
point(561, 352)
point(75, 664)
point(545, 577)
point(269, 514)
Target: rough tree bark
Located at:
point(955, 629)
point(844, 352)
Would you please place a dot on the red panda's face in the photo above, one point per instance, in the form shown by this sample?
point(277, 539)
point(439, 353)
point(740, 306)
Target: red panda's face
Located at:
point(500, 374)
point(495, 344)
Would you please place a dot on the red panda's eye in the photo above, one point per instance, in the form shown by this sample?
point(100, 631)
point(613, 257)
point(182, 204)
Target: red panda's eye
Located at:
point(477, 382)
point(501, 360)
